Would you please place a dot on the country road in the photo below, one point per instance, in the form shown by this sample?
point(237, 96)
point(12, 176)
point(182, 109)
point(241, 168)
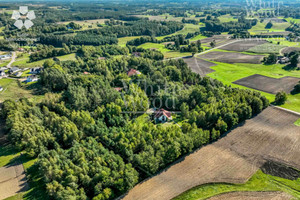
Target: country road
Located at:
point(13, 59)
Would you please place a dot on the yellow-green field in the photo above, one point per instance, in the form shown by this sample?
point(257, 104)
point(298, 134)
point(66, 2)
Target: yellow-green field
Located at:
point(123, 40)
point(188, 28)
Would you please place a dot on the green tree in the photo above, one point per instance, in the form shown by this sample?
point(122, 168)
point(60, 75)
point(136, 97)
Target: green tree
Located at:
point(280, 98)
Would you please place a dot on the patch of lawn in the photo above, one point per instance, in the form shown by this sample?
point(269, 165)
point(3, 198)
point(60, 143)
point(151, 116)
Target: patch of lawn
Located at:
point(188, 28)
point(23, 62)
point(198, 37)
point(123, 40)
point(227, 18)
point(228, 73)
point(297, 123)
point(258, 182)
point(7, 153)
point(167, 53)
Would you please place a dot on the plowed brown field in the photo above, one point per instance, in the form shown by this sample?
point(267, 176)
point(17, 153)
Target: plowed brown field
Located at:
point(271, 135)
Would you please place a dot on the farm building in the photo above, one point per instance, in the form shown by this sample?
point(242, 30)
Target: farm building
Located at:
point(133, 72)
point(32, 78)
point(18, 74)
point(14, 70)
point(36, 70)
point(118, 89)
point(162, 116)
point(5, 57)
point(283, 60)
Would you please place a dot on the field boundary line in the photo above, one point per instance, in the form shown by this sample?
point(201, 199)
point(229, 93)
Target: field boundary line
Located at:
point(287, 110)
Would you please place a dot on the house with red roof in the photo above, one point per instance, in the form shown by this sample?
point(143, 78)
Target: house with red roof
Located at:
point(162, 115)
point(133, 72)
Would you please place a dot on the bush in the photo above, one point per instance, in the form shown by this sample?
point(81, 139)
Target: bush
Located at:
point(280, 98)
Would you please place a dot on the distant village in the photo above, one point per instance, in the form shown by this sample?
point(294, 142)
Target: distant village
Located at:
point(14, 72)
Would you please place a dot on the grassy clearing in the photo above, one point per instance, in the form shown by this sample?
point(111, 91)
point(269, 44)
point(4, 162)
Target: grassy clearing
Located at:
point(297, 123)
point(258, 182)
point(198, 37)
point(188, 28)
point(228, 73)
point(284, 42)
point(123, 40)
point(260, 28)
point(87, 24)
point(12, 90)
point(266, 48)
point(23, 62)
point(167, 53)
point(227, 18)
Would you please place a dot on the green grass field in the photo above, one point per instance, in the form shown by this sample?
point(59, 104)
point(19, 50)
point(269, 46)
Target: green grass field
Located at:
point(260, 28)
point(228, 73)
point(167, 53)
point(23, 62)
point(297, 123)
point(123, 40)
point(227, 18)
point(258, 182)
point(188, 28)
point(198, 37)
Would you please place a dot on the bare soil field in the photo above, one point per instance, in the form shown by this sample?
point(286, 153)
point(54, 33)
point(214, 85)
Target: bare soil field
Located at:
point(289, 49)
point(219, 39)
point(199, 66)
point(268, 84)
point(271, 135)
point(243, 45)
point(232, 57)
point(253, 196)
point(12, 181)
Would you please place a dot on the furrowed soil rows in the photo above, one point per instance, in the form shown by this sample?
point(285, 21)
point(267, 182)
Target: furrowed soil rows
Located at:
point(243, 45)
point(199, 66)
point(232, 57)
point(271, 135)
point(268, 84)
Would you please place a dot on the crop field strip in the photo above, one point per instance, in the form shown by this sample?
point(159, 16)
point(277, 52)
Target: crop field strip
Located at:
point(268, 84)
point(271, 135)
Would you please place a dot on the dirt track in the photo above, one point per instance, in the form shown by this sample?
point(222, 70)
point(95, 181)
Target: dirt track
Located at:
point(232, 57)
point(233, 159)
point(12, 180)
point(252, 196)
point(268, 84)
point(199, 66)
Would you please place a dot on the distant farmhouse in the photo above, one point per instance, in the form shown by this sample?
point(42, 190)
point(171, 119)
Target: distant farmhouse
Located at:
point(5, 57)
point(133, 72)
point(2, 74)
point(162, 116)
point(14, 70)
point(32, 78)
point(36, 70)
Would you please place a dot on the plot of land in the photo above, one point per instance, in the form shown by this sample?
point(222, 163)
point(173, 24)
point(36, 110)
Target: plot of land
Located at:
point(199, 66)
point(266, 48)
point(243, 45)
point(232, 57)
point(253, 196)
point(268, 84)
point(12, 180)
point(219, 39)
point(233, 159)
point(289, 50)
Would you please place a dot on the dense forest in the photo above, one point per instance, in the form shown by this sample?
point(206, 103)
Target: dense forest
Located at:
point(89, 138)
